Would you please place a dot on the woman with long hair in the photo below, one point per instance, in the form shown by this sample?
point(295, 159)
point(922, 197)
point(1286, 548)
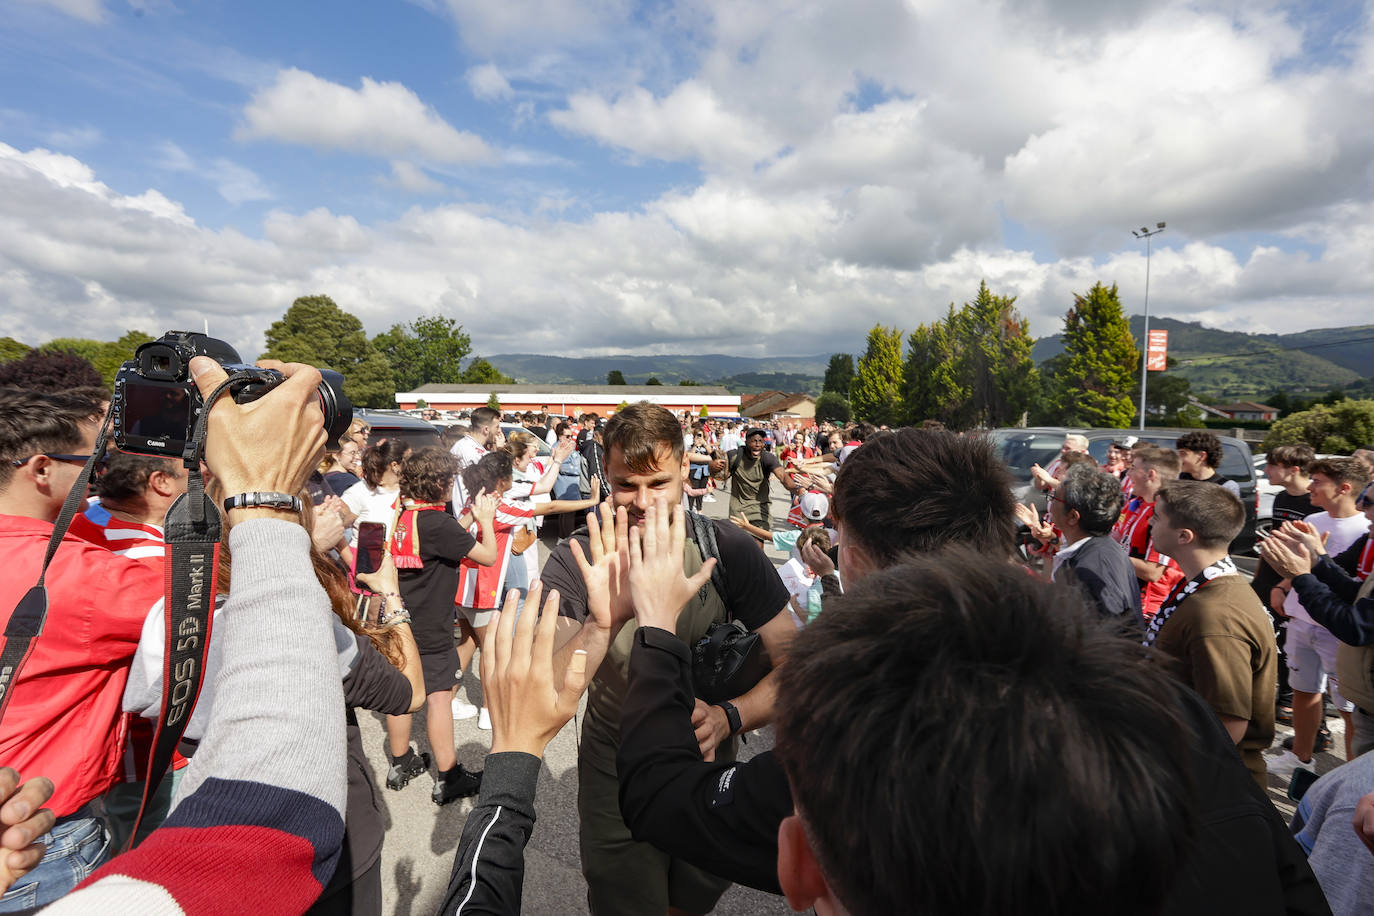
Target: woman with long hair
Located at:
point(373, 499)
point(481, 587)
point(427, 546)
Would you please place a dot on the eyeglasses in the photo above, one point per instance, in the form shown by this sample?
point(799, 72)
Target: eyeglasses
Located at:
point(56, 456)
point(1366, 498)
point(1058, 499)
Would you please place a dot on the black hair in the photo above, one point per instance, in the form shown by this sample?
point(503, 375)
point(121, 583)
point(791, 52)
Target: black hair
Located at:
point(126, 476)
point(32, 423)
point(381, 456)
point(488, 473)
point(961, 738)
point(1199, 441)
point(919, 489)
point(1213, 513)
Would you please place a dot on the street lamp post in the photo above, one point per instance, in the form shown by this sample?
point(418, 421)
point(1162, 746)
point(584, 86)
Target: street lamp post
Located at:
point(1146, 234)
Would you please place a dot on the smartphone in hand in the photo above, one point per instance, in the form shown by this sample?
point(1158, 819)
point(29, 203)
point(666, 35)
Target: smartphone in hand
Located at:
point(370, 546)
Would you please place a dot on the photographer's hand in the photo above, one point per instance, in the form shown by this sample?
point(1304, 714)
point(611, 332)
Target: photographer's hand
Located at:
point(268, 445)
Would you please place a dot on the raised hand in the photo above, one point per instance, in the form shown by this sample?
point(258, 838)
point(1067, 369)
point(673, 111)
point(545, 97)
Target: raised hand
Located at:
point(484, 508)
point(607, 575)
point(657, 583)
point(517, 676)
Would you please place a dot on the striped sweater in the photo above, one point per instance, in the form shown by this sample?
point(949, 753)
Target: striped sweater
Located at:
point(258, 821)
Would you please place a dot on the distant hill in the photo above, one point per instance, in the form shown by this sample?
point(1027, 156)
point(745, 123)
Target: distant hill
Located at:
point(1234, 364)
point(741, 374)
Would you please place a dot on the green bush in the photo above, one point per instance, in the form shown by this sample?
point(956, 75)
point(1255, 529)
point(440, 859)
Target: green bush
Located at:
point(1337, 428)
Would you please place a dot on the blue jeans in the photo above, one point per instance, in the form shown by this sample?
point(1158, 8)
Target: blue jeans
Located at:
point(76, 847)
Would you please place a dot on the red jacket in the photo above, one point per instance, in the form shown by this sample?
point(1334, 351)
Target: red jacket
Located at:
point(64, 719)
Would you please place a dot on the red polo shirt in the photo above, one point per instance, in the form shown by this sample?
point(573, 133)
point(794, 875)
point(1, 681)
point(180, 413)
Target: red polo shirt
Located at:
point(64, 719)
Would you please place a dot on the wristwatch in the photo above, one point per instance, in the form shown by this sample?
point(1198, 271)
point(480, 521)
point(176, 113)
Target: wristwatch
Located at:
point(732, 716)
point(282, 501)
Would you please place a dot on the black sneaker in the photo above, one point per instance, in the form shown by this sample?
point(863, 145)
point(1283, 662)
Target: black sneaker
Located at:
point(1322, 743)
point(405, 768)
point(458, 782)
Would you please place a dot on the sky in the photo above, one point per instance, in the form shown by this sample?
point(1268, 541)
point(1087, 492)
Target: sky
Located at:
point(768, 178)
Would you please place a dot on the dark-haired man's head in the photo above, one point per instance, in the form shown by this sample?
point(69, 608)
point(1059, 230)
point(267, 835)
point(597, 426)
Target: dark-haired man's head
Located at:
point(1086, 503)
point(917, 490)
point(1335, 484)
point(1198, 452)
point(1201, 514)
point(1001, 741)
point(1287, 465)
point(141, 486)
point(483, 425)
point(645, 458)
point(44, 441)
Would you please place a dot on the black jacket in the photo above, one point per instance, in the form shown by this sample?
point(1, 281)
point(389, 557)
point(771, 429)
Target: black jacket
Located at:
point(720, 817)
point(1329, 595)
point(489, 868)
point(1102, 569)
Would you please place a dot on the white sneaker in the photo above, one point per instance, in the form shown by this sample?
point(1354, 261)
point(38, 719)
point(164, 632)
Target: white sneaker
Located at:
point(462, 709)
point(1284, 764)
point(708, 498)
point(484, 720)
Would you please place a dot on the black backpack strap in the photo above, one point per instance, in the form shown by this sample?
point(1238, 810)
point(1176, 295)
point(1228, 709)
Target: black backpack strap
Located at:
point(704, 531)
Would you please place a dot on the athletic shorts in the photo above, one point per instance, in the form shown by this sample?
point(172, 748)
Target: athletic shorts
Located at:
point(476, 617)
point(1311, 652)
point(440, 670)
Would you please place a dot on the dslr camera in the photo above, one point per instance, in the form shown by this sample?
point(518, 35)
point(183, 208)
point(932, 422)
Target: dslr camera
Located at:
point(156, 404)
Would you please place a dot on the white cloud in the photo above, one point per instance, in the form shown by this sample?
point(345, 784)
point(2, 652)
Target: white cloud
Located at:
point(410, 177)
point(488, 25)
point(92, 11)
point(690, 123)
point(488, 83)
point(235, 183)
point(380, 118)
point(75, 137)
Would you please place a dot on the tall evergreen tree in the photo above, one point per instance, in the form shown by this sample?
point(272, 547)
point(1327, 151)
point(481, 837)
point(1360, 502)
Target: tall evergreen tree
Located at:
point(316, 331)
point(996, 367)
point(1096, 375)
point(932, 386)
point(875, 392)
point(839, 374)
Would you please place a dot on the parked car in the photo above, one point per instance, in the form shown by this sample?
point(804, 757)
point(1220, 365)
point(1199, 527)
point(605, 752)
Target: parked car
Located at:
point(1020, 448)
point(392, 424)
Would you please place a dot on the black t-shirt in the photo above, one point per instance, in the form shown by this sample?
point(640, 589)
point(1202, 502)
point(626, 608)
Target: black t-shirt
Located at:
point(754, 591)
point(428, 592)
point(1287, 508)
point(339, 481)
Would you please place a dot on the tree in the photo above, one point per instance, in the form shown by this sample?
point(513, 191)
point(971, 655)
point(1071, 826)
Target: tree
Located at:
point(105, 356)
point(481, 372)
point(1331, 428)
point(316, 331)
point(494, 402)
point(50, 371)
point(688, 383)
point(875, 392)
point(615, 377)
point(652, 380)
point(995, 364)
point(428, 350)
point(11, 349)
point(839, 374)
point(1170, 397)
point(1096, 375)
point(931, 376)
point(704, 412)
point(831, 407)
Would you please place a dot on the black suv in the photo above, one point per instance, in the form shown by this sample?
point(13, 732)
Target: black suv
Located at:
point(1021, 448)
point(387, 424)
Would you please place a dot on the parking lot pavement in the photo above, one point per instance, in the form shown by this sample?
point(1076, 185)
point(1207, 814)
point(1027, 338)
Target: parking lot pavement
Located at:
point(421, 838)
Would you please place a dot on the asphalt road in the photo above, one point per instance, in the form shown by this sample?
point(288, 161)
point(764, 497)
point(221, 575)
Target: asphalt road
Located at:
point(421, 838)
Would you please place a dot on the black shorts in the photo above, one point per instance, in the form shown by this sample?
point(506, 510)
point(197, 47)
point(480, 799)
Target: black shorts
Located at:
point(440, 670)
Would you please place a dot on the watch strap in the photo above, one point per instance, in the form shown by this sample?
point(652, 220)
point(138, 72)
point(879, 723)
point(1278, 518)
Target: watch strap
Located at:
point(259, 500)
point(732, 716)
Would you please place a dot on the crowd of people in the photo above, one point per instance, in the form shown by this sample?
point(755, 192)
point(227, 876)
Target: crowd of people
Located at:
point(979, 707)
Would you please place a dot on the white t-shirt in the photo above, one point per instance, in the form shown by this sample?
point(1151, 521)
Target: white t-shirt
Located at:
point(371, 505)
point(1341, 533)
point(468, 453)
point(729, 441)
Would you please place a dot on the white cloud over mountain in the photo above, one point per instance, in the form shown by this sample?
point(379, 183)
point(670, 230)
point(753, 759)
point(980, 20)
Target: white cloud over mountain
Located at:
point(848, 163)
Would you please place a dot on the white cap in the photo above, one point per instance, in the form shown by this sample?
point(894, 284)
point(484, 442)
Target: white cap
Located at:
point(815, 506)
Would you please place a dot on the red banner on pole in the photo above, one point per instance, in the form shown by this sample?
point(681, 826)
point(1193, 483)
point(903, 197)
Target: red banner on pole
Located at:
point(1157, 351)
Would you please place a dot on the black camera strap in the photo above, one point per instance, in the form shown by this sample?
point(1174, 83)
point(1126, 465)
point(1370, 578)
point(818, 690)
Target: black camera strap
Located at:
point(193, 529)
point(26, 623)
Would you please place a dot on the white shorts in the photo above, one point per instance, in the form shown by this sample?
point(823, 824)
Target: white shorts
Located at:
point(1311, 651)
point(476, 617)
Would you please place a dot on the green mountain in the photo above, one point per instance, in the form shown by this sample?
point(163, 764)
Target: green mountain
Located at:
point(1234, 364)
